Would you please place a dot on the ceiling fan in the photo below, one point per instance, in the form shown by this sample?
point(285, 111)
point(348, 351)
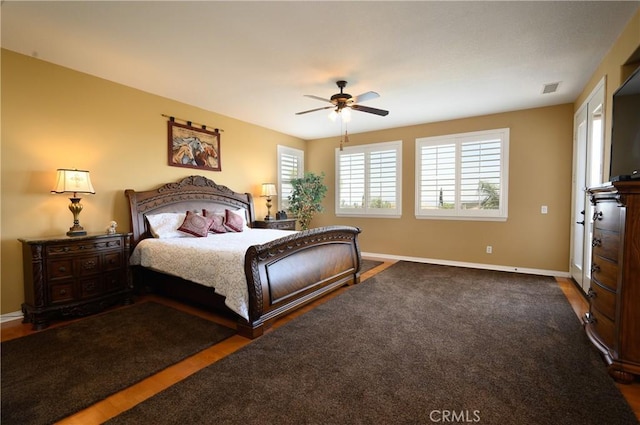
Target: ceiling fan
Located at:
point(342, 100)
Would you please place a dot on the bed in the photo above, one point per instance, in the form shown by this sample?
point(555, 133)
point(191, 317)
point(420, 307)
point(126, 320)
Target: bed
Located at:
point(281, 275)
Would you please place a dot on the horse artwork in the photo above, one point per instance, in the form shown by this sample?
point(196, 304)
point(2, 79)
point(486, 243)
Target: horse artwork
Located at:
point(193, 147)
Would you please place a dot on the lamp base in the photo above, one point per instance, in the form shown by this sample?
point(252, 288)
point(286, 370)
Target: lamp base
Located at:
point(76, 231)
point(268, 218)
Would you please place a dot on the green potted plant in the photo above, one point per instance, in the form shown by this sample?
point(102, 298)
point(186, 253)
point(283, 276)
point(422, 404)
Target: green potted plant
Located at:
point(306, 197)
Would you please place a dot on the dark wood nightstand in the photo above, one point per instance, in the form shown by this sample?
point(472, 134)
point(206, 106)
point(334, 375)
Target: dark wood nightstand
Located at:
point(65, 276)
point(286, 224)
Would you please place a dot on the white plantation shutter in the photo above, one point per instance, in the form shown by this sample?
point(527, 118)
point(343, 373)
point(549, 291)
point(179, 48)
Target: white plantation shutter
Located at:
point(438, 176)
point(368, 180)
point(352, 181)
point(382, 179)
point(290, 166)
point(463, 175)
point(479, 163)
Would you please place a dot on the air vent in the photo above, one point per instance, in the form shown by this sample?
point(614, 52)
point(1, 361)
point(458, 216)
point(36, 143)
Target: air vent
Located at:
point(550, 88)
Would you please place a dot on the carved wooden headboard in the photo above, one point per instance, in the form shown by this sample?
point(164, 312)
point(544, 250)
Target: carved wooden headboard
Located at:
point(193, 193)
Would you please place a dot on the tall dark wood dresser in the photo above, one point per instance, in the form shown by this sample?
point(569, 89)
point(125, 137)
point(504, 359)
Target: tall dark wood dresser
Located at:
point(613, 321)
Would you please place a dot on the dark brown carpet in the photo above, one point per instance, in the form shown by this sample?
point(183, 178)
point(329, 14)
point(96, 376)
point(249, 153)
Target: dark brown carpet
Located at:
point(416, 344)
point(54, 373)
point(367, 265)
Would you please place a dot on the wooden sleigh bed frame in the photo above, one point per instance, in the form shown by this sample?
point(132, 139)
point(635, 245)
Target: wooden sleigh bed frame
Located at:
point(282, 275)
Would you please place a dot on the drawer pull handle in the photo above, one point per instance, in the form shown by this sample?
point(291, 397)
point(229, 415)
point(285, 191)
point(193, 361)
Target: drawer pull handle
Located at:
point(596, 242)
point(597, 215)
point(590, 319)
point(62, 269)
point(591, 293)
point(63, 292)
point(595, 268)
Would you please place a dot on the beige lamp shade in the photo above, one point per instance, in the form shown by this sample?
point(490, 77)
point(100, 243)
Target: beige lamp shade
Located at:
point(269, 189)
point(76, 181)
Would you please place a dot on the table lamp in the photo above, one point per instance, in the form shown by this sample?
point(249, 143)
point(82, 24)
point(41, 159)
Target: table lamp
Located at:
point(268, 190)
point(74, 181)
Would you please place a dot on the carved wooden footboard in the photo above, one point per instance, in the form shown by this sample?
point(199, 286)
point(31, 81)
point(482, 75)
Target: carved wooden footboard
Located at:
point(290, 272)
point(282, 275)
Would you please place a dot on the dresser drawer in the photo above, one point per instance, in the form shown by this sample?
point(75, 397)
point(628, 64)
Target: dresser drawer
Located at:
point(606, 244)
point(603, 327)
point(607, 216)
point(605, 272)
point(603, 299)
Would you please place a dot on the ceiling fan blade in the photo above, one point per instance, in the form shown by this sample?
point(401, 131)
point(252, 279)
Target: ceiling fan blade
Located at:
point(365, 96)
point(313, 110)
point(376, 111)
point(317, 98)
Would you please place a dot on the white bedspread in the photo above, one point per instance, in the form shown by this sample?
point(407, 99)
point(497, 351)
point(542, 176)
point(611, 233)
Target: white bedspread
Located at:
point(216, 261)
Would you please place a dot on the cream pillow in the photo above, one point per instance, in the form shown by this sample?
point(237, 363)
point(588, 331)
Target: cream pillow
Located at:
point(165, 225)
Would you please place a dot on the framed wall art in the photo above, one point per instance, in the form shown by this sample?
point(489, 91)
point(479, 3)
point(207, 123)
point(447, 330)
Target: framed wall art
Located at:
point(194, 147)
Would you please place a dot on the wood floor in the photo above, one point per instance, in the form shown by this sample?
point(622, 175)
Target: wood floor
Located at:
point(123, 400)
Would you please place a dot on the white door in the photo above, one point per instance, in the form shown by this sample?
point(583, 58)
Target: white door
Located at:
point(588, 151)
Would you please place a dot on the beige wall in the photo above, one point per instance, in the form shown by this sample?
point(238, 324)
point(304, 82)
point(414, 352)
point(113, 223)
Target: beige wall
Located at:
point(53, 117)
point(540, 153)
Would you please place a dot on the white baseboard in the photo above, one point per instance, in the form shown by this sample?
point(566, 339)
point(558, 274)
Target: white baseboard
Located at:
point(541, 272)
point(8, 317)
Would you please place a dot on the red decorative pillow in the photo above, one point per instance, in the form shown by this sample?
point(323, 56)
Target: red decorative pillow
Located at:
point(217, 224)
point(233, 221)
point(195, 224)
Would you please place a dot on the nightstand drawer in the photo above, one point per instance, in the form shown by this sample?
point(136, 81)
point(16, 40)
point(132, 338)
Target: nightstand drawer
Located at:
point(286, 224)
point(114, 281)
point(61, 292)
point(91, 287)
point(88, 265)
point(60, 269)
point(113, 261)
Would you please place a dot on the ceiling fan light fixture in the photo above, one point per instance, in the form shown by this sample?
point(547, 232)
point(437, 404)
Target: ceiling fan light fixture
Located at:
point(333, 115)
point(345, 113)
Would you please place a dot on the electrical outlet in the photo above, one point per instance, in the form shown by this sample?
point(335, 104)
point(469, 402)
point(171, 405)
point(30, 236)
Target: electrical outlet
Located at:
point(489, 249)
point(543, 209)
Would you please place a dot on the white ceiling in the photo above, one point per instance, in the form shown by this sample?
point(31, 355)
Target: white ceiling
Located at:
point(429, 61)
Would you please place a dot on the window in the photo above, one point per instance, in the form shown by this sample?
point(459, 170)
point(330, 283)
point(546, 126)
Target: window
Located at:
point(463, 176)
point(369, 180)
point(290, 166)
